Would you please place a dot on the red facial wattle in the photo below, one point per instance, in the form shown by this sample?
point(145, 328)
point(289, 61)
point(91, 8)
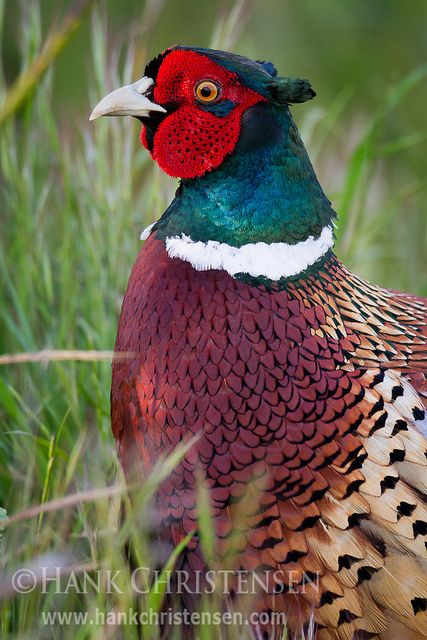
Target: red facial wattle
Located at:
point(193, 139)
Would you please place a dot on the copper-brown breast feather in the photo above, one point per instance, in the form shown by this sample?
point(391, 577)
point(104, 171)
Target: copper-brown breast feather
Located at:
point(311, 398)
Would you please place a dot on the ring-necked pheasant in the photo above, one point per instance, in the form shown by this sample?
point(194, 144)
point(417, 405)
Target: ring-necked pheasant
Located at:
point(305, 383)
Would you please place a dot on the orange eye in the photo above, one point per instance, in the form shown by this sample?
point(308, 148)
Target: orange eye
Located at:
point(207, 91)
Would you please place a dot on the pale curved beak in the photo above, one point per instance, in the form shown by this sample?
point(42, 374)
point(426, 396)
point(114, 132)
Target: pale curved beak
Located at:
point(129, 100)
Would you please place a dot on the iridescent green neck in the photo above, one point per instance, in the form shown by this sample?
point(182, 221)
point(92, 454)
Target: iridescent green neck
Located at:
point(266, 191)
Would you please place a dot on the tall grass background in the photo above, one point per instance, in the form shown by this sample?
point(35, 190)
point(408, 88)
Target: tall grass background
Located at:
point(74, 198)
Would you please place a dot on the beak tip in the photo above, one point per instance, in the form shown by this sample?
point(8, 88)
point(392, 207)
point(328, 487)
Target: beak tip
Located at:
point(94, 114)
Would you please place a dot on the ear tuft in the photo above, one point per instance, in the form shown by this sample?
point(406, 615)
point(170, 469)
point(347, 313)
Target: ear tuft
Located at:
point(269, 67)
point(291, 90)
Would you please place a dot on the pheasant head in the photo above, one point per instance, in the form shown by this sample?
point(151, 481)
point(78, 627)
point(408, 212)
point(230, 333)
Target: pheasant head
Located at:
point(196, 105)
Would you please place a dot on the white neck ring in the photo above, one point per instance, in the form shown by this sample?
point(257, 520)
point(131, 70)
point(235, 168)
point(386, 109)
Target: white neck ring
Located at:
point(259, 259)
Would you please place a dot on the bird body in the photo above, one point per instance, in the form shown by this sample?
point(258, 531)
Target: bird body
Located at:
point(303, 385)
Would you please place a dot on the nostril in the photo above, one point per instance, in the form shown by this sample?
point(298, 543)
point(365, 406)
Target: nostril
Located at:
point(144, 84)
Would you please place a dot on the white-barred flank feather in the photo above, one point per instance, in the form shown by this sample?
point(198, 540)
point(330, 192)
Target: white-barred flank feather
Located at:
point(274, 261)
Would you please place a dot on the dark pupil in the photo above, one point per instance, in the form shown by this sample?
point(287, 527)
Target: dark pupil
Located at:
point(206, 92)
